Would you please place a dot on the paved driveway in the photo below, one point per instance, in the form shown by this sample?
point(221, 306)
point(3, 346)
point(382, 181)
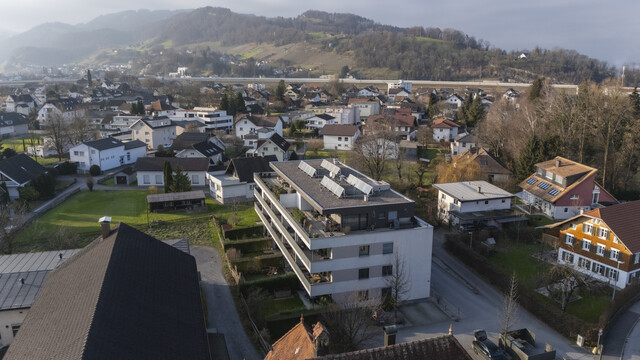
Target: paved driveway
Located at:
point(222, 311)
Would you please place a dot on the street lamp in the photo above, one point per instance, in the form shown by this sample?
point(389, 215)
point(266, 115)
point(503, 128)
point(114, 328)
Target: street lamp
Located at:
point(617, 277)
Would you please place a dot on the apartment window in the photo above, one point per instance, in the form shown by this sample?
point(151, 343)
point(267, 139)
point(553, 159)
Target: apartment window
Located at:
point(15, 328)
point(586, 245)
point(596, 221)
point(158, 179)
point(387, 270)
point(486, 202)
point(386, 292)
point(603, 233)
point(339, 138)
point(600, 249)
point(598, 269)
point(444, 196)
point(574, 197)
point(75, 153)
point(588, 229)
point(615, 254)
point(363, 273)
point(387, 248)
point(363, 250)
point(637, 258)
point(569, 239)
point(584, 263)
point(567, 257)
point(195, 179)
point(574, 226)
point(146, 179)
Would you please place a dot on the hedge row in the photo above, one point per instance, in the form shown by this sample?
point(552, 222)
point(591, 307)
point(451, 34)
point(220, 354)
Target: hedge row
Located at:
point(249, 246)
point(244, 233)
point(258, 263)
point(566, 324)
point(271, 284)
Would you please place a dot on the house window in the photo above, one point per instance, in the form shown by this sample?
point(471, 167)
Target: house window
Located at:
point(503, 201)
point(363, 250)
point(566, 209)
point(615, 254)
point(569, 239)
point(339, 138)
point(588, 229)
point(486, 202)
point(363, 273)
point(637, 258)
point(567, 257)
point(128, 156)
point(195, 179)
point(444, 196)
point(75, 153)
point(387, 270)
point(574, 197)
point(603, 233)
point(600, 249)
point(586, 245)
point(146, 133)
point(598, 269)
point(158, 179)
point(146, 179)
point(574, 226)
point(15, 328)
point(613, 274)
point(596, 221)
point(616, 240)
point(387, 248)
point(584, 263)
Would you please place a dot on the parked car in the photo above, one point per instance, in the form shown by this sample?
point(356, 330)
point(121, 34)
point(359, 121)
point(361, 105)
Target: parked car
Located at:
point(482, 345)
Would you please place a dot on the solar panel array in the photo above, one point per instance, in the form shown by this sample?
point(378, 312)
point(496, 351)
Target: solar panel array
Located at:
point(544, 185)
point(360, 185)
point(333, 168)
point(554, 192)
point(308, 169)
point(335, 188)
point(531, 181)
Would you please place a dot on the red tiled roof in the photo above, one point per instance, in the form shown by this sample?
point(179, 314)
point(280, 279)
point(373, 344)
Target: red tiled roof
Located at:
point(622, 220)
point(444, 123)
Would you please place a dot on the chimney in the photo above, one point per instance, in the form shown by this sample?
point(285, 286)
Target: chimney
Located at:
point(105, 224)
point(479, 190)
point(558, 163)
point(390, 335)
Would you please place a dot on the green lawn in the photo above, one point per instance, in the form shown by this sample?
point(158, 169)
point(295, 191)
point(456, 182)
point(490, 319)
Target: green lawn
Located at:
point(17, 144)
point(285, 305)
point(109, 182)
point(246, 214)
point(429, 153)
point(517, 258)
point(540, 220)
point(589, 307)
point(80, 213)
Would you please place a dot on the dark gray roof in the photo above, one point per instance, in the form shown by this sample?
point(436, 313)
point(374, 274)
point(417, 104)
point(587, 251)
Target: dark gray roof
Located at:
point(128, 296)
point(157, 164)
point(280, 142)
point(104, 144)
point(187, 139)
point(21, 168)
point(243, 168)
point(12, 119)
point(207, 148)
point(325, 116)
point(263, 121)
point(134, 144)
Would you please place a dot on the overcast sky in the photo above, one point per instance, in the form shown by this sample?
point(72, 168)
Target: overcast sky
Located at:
point(607, 30)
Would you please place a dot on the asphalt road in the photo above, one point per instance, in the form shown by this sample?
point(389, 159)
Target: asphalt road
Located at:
point(455, 282)
point(222, 310)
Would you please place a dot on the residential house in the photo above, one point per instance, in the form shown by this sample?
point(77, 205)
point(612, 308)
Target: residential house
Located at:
point(22, 104)
point(511, 95)
point(400, 121)
point(13, 124)
point(126, 295)
point(198, 145)
point(444, 129)
point(162, 108)
point(366, 107)
point(301, 343)
point(236, 183)
point(293, 116)
point(18, 171)
point(397, 92)
point(21, 277)
point(493, 170)
point(344, 115)
point(150, 170)
point(65, 109)
point(470, 205)
point(275, 145)
point(257, 127)
point(602, 243)
point(126, 176)
point(463, 142)
point(455, 99)
point(339, 137)
point(107, 153)
point(319, 121)
point(155, 131)
point(562, 188)
point(369, 91)
point(400, 84)
point(352, 228)
point(211, 118)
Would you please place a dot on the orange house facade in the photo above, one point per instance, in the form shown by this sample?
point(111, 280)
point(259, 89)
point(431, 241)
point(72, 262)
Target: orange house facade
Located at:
point(603, 243)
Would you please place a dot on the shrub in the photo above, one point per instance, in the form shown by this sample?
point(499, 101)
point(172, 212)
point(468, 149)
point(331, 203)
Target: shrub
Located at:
point(45, 184)
point(243, 233)
point(298, 215)
point(90, 183)
point(270, 284)
point(153, 189)
point(28, 193)
point(67, 168)
point(95, 170)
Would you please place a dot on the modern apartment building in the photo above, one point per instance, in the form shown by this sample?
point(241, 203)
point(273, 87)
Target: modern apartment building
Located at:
point(340, 231)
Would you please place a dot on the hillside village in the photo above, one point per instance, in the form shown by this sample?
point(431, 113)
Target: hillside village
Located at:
point(345, 222)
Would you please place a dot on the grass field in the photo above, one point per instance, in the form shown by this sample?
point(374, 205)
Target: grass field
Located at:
point(79, 216)
point(518, 259)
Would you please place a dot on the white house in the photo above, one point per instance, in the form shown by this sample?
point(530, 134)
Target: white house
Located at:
point(455, 99)
point(406, 85)
point(473, 203)
point(155, 131)
point(262, 126)
point(369, 91)
point(339, 137)
point(22, 104)
point(12, 124)
point(211, 118)
point(444, 130)
point(276, 145)
point(198, 145)
point(344, 115)
point(462, 142)
point(319, 121)
point(366, 107)
point(18, 171)
point(108, 153)
point(236, 183)
point(150, 170)
point(66, 109)
point(397, 92)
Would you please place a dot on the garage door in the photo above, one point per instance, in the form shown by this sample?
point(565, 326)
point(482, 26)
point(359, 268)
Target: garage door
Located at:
point(121, 180)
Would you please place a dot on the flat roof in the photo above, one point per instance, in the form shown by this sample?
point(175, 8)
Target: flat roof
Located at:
point(324, 198)
point(187, 195)
point(468, 190)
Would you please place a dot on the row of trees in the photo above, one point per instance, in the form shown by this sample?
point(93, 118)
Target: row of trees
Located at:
point(232, 102)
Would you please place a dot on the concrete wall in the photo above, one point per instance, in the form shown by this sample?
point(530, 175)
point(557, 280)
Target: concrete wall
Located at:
point(8, 318)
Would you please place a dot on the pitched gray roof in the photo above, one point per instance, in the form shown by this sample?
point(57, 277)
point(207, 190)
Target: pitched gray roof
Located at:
point(128, 296)
point(134, 144)
point(21, 168)
point(104, 144)
point(245, 167)
point(157, 163)
point(12, 119)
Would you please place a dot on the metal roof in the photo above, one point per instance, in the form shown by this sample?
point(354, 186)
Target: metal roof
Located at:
point(187, 195)
point(473, 190)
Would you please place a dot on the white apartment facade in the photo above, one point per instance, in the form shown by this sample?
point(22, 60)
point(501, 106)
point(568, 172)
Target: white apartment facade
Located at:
point(211, 118)
point(155, 132)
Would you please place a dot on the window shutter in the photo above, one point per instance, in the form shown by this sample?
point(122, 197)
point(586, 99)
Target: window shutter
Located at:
point(584, 228)
point(607, 253)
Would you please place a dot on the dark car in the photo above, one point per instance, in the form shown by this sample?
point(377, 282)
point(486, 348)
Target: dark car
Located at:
point(486, 347)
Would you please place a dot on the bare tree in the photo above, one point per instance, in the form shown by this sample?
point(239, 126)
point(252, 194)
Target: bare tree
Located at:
point(424, 135)
point(459, 169)
point(509, 312)
point(13, 217)
point(379, 144)
point(79, 131)
point(57, 132)
point(350, 323)
point(562, 281)
point(398, 283)
point(315, 145)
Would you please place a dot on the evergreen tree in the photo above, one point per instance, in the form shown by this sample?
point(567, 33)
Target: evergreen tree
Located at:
point(475, 112)
point(89, 80)
point(224, 103)
point(280, 90)
point(168, 176)
point(536, 89)
point(4, 193)
point(239, 105)
point(181, 181)
point(635, 101)
point(531, 154)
